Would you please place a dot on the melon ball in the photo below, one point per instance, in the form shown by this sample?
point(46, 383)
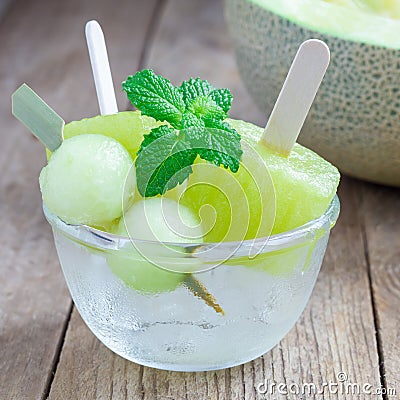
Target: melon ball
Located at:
point(147, 267)
point(142, 275)
point(88, 180)
point(161, 219)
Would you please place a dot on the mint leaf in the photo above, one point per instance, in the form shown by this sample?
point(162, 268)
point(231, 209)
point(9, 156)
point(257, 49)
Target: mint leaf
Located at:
point(164, 160)
point(194, 88)
point(219, 144)
point(155, 96)
point(223, 97)
point(190, 120)
point(206, 108)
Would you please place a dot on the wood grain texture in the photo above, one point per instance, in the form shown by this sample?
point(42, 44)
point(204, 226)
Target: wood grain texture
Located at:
point(336, 332)
point(381, 214)
point(43, 44)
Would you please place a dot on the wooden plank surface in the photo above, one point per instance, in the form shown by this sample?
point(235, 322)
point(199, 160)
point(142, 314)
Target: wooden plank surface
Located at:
point(43, 45)
point(381, 214)
point(4, 4)
point(336, 333)
point(192, 40)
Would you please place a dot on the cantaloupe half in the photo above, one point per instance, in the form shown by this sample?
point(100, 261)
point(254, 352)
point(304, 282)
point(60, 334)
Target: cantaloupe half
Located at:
point(354, 121)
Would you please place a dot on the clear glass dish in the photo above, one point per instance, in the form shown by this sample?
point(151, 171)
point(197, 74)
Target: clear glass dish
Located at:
point(238, 302)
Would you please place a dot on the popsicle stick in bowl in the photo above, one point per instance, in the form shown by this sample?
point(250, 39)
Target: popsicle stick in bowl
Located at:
point(296, 96)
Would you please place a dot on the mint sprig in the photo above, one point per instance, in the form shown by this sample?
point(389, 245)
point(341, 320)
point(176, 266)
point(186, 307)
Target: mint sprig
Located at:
point(195, 112)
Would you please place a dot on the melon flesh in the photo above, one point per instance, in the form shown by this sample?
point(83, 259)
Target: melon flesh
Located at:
point(386, 8)
point(126, 127)
point(232, 206)
point(304, 182)
point(137, 273)
point(87, 180)
point(367, 21)
point(156, 219)
point(269, 193)
point(293, 191)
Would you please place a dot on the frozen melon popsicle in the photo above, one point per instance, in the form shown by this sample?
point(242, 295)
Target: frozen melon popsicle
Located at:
point(302, 182)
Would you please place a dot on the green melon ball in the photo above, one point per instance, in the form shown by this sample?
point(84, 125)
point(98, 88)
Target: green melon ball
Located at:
point(142, 275)
point(160, 219)
point(87, 180)
point(155, 219)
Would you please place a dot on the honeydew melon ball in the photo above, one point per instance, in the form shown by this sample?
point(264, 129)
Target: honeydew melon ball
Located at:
point(160, 219)
point(154, 219)
point(143, 276)
point(87, 180)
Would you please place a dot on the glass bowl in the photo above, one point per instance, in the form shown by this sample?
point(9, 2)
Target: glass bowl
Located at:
point(238, 301)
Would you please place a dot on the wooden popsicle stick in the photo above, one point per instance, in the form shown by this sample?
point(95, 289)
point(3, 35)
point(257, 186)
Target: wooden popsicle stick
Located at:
point(200, 291)
point(101, 68)
point(296, 97)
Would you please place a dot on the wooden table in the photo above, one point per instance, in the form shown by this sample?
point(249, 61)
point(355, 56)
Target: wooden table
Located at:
point(351, 323)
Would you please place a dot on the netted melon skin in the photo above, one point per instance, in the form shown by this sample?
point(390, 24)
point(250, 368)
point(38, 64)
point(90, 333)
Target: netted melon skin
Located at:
point(355, 120)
